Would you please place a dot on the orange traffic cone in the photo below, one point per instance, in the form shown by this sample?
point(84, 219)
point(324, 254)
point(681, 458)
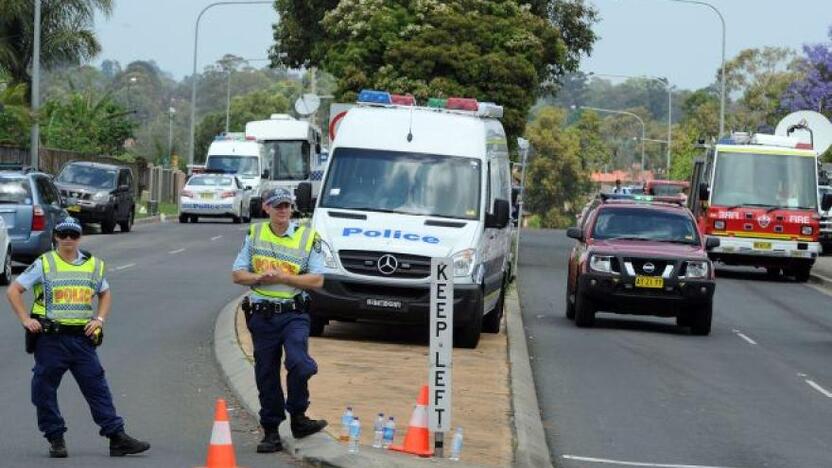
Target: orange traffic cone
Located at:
point(417, 437)
point(221, 450)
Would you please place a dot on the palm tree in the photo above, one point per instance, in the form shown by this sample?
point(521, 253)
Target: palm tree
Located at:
point(67, 34)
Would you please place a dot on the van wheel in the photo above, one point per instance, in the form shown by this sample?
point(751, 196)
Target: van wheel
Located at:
point(468, 336)
point(584, 311)
point(6, 275)
point(700, 319)
point(316, 325)
point(492, 321)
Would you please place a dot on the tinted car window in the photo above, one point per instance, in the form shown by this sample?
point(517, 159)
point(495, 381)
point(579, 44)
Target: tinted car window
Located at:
point(15, 190)
point(97, 177)
point(644, 224)
point(44, 191)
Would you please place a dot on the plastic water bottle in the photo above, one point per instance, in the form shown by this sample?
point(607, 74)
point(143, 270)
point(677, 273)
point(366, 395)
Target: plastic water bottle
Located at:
point(389, 433)
point(456, 445)
point(355, 434)
point(378, 431)
point(346, 419)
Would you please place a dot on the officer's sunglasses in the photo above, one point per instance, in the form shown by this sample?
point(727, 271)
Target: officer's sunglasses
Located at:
point(68, 234)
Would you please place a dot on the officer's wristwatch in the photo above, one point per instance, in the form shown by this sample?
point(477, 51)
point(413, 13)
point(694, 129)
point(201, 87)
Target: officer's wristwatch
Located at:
point(99, 318)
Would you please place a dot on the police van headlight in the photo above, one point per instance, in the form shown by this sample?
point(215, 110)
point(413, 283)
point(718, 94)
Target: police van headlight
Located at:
point(697, 269)
point(464, 262)
point(329, 257)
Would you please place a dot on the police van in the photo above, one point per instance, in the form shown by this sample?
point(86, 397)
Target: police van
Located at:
point(234, 153)
point(291, 152)
point(404, 184)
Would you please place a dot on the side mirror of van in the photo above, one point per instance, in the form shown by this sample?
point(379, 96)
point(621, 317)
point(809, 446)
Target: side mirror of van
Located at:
point(265, 174)
point(704, 192)
point(303, 197)
point(711, 243)
point(575, 233)
point(826, 202)
point(499, 219)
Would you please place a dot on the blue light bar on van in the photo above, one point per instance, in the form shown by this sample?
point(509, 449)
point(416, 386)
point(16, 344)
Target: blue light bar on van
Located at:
point(371, 96)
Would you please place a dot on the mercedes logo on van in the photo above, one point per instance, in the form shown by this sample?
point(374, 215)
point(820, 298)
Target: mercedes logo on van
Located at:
point(387, 264)
point(649, 267)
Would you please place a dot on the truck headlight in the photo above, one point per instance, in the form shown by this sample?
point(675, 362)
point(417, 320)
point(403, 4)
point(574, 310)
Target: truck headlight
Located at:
point(101, 196)
point(697, 269)
point(464, 262)
point(601, 263)
point(329, 258)
point(806, 230)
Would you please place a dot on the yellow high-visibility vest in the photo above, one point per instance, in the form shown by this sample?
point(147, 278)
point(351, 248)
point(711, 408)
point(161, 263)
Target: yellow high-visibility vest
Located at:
point(67, 291)
point(270, 252)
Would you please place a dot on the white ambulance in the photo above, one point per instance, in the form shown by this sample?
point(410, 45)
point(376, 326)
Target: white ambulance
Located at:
point(233, 153)
point(404, 184)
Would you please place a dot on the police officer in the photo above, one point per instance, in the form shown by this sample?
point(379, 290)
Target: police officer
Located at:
point(65, 327)
point(279, 260)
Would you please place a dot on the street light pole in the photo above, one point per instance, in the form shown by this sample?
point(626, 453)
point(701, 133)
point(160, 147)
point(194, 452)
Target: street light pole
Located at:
point(523, 144)
point(611, 111)
point(722, 73)
point(171, 111)
point(193, 74)
point(35, 141)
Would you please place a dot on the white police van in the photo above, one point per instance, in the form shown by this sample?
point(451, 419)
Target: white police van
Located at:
point(234, 153)
point(291, 152)
point(404, 184)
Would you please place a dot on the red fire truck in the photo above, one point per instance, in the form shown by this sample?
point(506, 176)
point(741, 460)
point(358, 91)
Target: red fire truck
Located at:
point(759, 195)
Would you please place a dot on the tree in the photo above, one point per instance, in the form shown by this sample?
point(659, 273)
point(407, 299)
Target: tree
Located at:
point(496, 51)
point(814, 90)
point(66, 34)
point(557, 183)
point(15, 118)
point(86, 123)
point(595, 154)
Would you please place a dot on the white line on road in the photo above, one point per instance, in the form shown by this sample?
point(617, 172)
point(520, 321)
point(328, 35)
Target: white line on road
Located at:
point(741, 335)
point(124, 267)
point(817, 387)
point(216, 237)
point(629, 463)
point(176, 251)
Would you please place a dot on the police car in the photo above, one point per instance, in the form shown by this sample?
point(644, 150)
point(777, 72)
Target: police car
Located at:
point(214, 196)
point(406, 183)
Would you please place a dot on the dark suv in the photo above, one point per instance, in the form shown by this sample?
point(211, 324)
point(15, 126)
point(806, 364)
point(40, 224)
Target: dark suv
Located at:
point(99, 193)
point(637, 255)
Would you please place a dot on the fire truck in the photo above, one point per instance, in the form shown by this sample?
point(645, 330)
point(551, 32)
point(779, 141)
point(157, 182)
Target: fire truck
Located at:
point(758, 194)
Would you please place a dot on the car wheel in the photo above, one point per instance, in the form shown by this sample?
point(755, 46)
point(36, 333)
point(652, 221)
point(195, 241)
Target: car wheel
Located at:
point(492, 321)
point(127, 224)
point(468, 336)
point(236, 219)
point(584, 311)
point(6, 275)
point(570, 304)
point(700, 319)
point(194, 219)
point(316, 325)
point(108, 226)
point(183, 218)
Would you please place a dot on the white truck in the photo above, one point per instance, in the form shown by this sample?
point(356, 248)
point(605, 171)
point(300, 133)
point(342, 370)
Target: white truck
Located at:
point(404, 184)
point(291, 152)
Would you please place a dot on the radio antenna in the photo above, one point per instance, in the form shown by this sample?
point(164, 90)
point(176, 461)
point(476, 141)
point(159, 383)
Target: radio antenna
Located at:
point(410, 125)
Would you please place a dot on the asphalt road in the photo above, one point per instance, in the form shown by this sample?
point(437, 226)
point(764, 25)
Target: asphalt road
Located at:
point(755, 393)
point(169, 282)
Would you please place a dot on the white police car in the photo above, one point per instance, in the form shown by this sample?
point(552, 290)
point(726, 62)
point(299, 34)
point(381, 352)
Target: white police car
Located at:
point(404, 184)
point(214, 196)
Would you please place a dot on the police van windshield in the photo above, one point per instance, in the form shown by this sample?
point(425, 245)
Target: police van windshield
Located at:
point(242, 165)
point(765, 180)
point(644, 224)
point(287, 160)
point(407, 183)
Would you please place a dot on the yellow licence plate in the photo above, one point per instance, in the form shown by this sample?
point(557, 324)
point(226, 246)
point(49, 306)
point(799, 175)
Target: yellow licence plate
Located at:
point(207, 196)
point(762, 246)
point(73, 208)
point(649, 282)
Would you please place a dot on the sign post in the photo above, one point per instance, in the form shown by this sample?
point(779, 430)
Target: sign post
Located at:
point(441, 347)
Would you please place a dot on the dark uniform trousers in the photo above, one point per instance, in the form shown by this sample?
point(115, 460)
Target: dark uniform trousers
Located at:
point(289, 331)
point(54, 355)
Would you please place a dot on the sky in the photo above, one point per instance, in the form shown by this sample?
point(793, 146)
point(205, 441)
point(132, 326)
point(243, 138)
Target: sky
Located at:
point(636, 37)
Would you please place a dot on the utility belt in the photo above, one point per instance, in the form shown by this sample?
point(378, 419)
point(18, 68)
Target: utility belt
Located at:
point(52, 327)
point(268, 308)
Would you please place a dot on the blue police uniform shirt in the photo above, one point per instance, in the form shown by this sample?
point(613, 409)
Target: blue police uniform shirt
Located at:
point(315, 265)
point(34, 274)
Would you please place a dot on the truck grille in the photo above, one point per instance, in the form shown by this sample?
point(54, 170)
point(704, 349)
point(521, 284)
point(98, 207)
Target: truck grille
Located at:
point(393, 265)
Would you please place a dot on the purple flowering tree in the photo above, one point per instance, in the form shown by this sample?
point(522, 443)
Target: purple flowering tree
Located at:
point(814, 91)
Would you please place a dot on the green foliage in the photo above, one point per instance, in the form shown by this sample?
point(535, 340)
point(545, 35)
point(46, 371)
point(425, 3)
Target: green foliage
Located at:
point(15, 117)
point(86, 123)
point(595, 154)
point(556, 180)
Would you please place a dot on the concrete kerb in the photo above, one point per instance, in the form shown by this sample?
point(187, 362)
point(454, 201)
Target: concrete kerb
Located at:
point(821, 281)
point(318, 449)
point(531, 449)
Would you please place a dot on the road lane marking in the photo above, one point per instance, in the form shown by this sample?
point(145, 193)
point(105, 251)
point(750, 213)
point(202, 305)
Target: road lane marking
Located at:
point(746, 338)
point(216, 237)
point(176, 251)
point(817, 387)
point(124, 267)
point(629, 463)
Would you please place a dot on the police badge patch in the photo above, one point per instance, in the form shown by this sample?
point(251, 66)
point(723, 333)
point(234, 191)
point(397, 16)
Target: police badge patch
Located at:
point(316, 244)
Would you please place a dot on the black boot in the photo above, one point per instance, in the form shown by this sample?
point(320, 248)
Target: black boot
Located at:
point(57, 447)
point(271, 442)
point(303, 426)
point(122, 444)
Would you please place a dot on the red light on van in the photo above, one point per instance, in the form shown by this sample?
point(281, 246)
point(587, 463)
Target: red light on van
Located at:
point(402, 100)
point(458, 103)
point(806, 146)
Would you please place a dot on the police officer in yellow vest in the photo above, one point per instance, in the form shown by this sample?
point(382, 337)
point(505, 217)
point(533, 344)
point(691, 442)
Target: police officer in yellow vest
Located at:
point(279, 260)
point(66, 326)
